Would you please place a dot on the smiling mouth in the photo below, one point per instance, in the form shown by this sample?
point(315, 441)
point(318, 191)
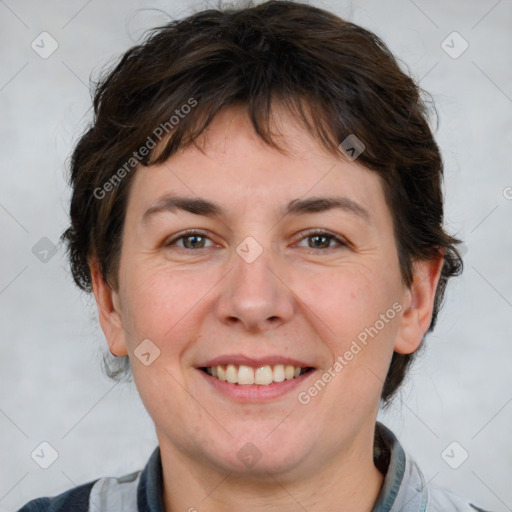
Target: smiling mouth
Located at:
point(262, 375)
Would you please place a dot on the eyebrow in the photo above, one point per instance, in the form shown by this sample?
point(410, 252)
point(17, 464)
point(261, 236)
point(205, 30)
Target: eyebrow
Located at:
point(200, 206)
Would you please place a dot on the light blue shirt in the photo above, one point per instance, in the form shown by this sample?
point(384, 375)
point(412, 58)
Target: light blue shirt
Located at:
point(404, 488)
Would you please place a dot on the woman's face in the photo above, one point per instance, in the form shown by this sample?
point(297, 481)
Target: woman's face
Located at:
point(263, 283)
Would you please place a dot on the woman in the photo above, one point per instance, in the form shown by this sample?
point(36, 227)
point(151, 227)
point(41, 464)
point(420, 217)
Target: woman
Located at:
point(257, 208)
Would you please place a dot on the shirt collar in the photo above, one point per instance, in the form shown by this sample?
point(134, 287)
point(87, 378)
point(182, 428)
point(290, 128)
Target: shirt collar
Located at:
point(389, 458)
point(150, 489)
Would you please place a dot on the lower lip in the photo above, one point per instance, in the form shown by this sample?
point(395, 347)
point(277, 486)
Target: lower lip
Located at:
point(255, 392)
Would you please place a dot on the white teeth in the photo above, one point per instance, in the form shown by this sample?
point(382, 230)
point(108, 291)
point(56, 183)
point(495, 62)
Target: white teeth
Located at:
point(263, 375)
point(231, 373)
point(247, 375)
point(278, 373)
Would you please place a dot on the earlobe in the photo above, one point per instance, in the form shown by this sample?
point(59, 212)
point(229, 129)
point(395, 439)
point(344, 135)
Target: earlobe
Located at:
point(418, 310)
point(109, 311)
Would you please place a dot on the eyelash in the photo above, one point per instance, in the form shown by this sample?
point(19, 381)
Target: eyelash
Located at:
point(305, 234)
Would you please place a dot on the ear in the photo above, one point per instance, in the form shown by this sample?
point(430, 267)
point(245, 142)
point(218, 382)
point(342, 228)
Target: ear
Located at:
point(109, 311)
point(418, 304)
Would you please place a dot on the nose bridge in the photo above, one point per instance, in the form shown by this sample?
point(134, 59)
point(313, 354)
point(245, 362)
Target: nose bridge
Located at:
point(253, 294)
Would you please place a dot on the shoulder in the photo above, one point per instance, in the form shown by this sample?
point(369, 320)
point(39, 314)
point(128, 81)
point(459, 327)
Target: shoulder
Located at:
point(127, 493)
point(110, 493)
point(429, 497)
point(442, 500)
point(405, 488)
point(75, 499)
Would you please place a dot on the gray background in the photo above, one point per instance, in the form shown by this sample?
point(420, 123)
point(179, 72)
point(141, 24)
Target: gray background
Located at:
point(52, 387)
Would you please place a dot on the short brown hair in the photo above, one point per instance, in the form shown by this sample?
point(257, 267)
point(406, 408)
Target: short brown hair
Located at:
point(337, 78)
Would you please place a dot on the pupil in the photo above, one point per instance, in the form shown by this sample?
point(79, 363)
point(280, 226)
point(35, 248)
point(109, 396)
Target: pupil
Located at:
point(317, 237)
point(193, 237)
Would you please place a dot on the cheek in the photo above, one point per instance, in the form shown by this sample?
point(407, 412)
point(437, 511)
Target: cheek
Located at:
point(156, 300)
point(348, 296)
point(355, 313)
point(168, 306)
point(356, 317)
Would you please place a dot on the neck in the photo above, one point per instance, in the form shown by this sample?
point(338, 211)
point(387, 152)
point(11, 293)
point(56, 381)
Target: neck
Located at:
point(348, 481)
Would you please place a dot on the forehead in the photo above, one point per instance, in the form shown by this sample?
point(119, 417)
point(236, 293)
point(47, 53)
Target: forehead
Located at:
point(232, 168)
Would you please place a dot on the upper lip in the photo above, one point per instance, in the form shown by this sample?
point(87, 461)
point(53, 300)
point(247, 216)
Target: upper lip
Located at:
point(255, 362)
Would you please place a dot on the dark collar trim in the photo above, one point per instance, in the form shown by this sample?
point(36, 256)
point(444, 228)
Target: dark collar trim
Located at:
point(386, 446)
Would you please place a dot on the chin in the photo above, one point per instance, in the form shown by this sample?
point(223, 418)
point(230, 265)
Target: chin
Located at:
point(261, 454)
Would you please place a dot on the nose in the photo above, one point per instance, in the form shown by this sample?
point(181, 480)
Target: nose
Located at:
point(254, 295)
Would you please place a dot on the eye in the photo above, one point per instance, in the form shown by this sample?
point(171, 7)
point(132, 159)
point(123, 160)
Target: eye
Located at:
point(194, 239)
point(322, 239)
point(191, 240)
